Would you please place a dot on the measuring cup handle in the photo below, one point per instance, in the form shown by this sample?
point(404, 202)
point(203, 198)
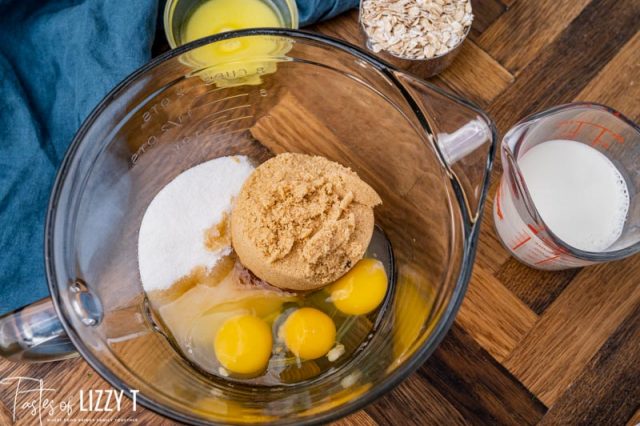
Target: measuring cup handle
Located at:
point(34, 333)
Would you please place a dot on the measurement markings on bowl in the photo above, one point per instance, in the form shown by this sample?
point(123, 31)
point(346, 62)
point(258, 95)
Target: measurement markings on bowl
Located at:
point(216, 101)
point(218, 137)
point(185, 140)
point(214, 123)
point(214, 136)
point(152, 140)
point(156, 111)
point(210, 78)
point(225, 119)
point(156, 108)
point(217, 113)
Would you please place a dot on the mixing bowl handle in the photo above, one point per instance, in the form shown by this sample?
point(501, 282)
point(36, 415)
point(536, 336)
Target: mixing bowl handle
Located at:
point(463, 135)
point(34, 333)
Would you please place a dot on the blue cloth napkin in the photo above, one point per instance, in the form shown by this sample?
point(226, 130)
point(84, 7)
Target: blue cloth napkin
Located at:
point(57, 60)
point(310, 11)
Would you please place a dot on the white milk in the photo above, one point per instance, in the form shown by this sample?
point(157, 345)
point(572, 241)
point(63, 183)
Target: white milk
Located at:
point(579, 193)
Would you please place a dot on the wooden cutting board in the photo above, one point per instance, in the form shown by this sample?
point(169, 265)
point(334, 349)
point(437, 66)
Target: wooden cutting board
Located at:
point(527, 346)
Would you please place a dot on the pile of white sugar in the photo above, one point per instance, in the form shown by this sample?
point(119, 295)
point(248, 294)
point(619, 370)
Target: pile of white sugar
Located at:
point(171, 242)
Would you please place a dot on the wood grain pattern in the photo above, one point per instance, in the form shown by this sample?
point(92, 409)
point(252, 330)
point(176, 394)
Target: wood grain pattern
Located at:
point(604, 393)
point(494, 254)
point(574, 328)
point(528, 346)
point(415, 402)
point(520, 34)
point(485, 13)
point(480, 388)
point(6, 416)
point(494, 316)
point(618, 84)
point(360, 418)
point(565, 66)
point(474, 64)
point(635, 419)
point(535, 288)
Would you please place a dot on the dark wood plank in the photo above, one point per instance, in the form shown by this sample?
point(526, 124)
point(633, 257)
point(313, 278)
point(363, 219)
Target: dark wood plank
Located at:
point(523, 33)
point(485, 12)
point(361, 418)
point(482, 390)
point(6, 416)
point(635, 419)
point(574, 327)
point(608, 391)
point(494, 316)
point(565, 67)
point(538, 289)
point(617, 85)
point(460, 384)
point(474, 65)
point(415, 402)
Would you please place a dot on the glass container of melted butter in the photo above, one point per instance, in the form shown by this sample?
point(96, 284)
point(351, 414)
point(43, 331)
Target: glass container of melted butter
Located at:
point(189, 20)
point(236, 62)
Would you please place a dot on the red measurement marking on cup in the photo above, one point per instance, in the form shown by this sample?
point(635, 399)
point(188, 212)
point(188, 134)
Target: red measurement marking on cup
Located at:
point(534, 229)
point(571, 132)
point(521, 241)
point(599, 142)
point(553, 246)
point(498, 202)
point(548, 259)
point(524, 236)
point(574, 127)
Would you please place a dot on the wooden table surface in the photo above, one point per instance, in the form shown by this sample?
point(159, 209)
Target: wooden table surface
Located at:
point(527, 346)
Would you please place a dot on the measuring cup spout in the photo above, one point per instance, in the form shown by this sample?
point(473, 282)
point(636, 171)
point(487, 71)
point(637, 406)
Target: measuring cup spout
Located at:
point(462, 134)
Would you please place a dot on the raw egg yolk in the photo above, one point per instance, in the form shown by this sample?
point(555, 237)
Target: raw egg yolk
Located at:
point(362, 289)
point(243, 344)
point(309, 333)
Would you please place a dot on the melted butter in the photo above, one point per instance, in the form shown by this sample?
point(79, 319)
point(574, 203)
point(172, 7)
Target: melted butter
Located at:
point(198, 276)
point(234, 62)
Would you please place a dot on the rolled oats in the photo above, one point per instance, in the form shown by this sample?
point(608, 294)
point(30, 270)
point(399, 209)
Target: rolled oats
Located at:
point(415, 29)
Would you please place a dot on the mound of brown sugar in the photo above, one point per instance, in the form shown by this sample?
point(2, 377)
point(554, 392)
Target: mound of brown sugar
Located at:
point(301, 222)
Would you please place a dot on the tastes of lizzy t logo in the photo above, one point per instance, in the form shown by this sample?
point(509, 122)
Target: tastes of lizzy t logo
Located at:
point(32, 398)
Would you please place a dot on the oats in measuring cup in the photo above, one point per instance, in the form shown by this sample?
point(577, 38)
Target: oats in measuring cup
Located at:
point(415, 29)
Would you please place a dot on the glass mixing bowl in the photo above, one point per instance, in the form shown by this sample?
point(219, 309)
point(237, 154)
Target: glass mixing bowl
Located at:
point(427, 154)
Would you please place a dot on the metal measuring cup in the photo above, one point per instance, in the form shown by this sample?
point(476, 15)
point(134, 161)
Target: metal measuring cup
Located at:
point(429, 67)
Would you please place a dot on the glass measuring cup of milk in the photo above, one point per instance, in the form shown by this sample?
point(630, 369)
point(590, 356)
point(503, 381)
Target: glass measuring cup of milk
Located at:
point(427, 153)
point(568, 196)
